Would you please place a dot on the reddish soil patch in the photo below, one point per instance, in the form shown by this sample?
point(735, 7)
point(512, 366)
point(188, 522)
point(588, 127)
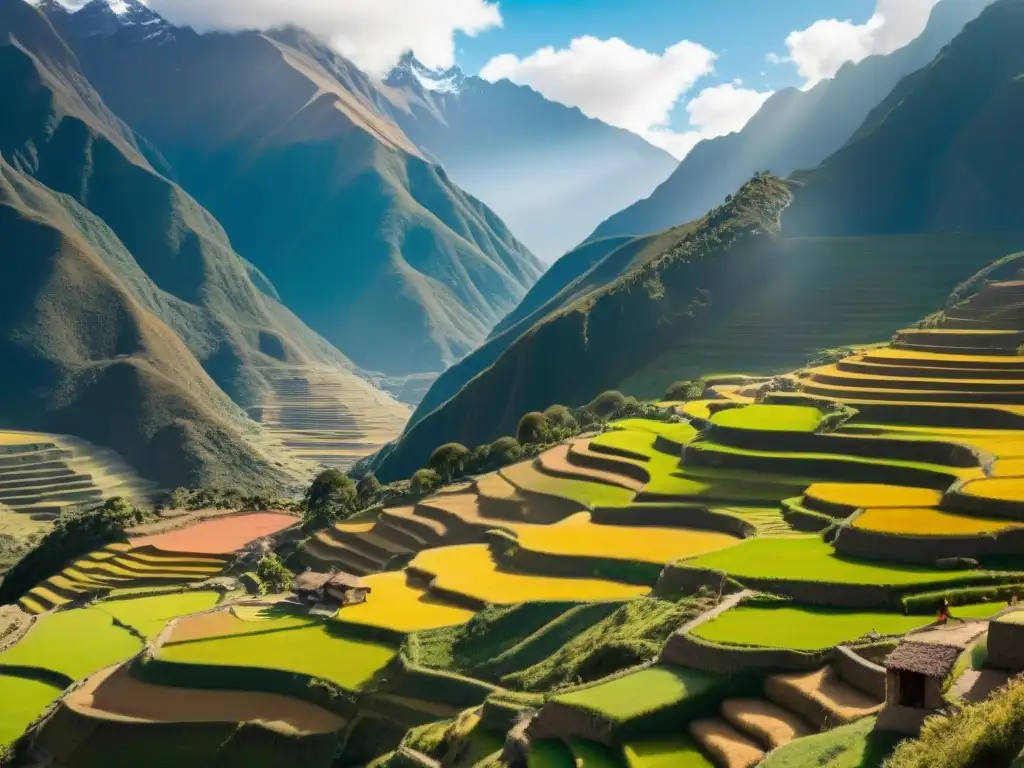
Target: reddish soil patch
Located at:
point(218, 537)
point(113, 692)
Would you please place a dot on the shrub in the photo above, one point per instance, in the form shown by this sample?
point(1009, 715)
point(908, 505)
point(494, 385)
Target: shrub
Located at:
point(75, 533)
point(560, 418)
point(479, 460)
point(607, 403)
point(330, 497)
point(684, 390)
point(505, 450)
point(449, 460)
point(533, 428)
point(272, 573)
point(368, 487)
point(424, 481)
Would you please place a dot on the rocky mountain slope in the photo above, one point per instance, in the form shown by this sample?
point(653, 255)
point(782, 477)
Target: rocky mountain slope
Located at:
point(548, 170)
point(126, 317)
point(329, 198)
point(792, 130)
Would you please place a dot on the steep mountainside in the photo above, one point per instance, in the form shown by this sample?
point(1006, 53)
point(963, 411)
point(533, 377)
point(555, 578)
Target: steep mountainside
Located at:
point(548, 170)
point(793, 130)
point(326, 196)
point(127, 319)
point(943, 153)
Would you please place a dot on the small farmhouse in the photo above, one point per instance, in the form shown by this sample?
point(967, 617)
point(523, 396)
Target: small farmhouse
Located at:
point(330, 590)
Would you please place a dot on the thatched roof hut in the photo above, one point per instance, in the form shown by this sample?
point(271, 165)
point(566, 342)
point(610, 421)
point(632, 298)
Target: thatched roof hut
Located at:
point(928, 659)
point(311, 581)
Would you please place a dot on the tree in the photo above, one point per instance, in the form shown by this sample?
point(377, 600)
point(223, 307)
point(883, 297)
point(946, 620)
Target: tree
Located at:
point(367, 486)
point(273, 574)
point(330, 497)
point(607, 403)
point(560, 417)
point(424, 481)
point(479, 460)
point(505, 451)
point(449, 460)
point(684, 390)
point(533, 428)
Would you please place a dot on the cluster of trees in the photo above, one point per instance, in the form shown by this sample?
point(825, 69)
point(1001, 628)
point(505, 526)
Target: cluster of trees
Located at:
point(76, 532)
point(222, 498)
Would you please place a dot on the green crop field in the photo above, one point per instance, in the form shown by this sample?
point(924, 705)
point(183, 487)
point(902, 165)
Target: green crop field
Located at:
point(804, 628)
point(849, 746)
point(809, 558)
point(545, 753)
point(148, 615)
point(665, 752)
point(310, 650)
point(589, 754)
point(770, 418)
point(641, 692)
point(73, 643)
point(21, 702)
point(678, 433)
point(526, 477)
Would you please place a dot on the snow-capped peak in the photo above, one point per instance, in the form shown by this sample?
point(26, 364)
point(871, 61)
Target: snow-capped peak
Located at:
point(437, 80)
point(107, 17)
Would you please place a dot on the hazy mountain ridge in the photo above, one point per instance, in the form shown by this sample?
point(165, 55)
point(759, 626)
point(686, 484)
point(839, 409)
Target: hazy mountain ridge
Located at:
point(290, 130)
point(793, 130)
point(548, 170)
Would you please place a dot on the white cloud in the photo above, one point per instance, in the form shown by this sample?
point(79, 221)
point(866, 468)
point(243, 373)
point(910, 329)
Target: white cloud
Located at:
point(822, 48)
point(373, 33)
point(609, 79)
point(774, 58)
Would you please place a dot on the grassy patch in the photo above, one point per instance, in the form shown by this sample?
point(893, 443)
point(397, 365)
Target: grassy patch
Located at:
point(526, 477)
point(770, 418)
point(809, 558)
point(804, 628)
point(929, 522)
point(21, 702)
point(681, 433)
point(395, 605)
point(470, 570)
point(310, 650)
point(74, 643)
point(664, 752)
point(849, 746)
point(549, 753)
point(589, 754)
point(640, 693)
point(633, 634)
point(148, 615)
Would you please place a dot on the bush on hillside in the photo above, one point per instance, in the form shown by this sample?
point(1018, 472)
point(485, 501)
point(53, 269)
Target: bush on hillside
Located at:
point(332, 496)
point(533, 428)
point(75, 533)
point(222, 498)
point(368, 487)
point(990, 733)
point(449, 460)
point(684, 390)
point(479, 460)
point(424, 481)
point(273, 575)
point(607, 403)
point(560, 418)
point(505, 450)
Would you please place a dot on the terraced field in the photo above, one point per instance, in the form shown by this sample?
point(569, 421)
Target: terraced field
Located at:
point(328, 416)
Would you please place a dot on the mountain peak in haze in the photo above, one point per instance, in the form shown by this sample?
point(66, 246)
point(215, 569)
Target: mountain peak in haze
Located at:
point(411, 70)
point(107, 17)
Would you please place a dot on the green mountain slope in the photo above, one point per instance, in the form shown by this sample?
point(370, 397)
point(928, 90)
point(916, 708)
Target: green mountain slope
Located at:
point(329, 199)
point(941, 154)
point(127, 319)
point(793, 130)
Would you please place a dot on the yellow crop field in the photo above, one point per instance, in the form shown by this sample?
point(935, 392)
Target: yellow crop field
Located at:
point(872, 495)
point(925, 522)
point(999, 488)
point(578, 535)
point(470, 570)
point(394, 604)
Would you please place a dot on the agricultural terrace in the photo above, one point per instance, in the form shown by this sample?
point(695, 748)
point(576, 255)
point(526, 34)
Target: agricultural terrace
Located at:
point(664, 752)
point(470, 570)
point(396, 605)
point(232, 622)
point(853, 496)
point(803, 628)
point(148, 615)
point(526, 477)
point(930, 522)
point(579, 536)
point(21, 702)
point(221, 536)
point(809, 558)
point(113, 692)
point(996, 488)
point(310, 650)
point(72, 643)
point(770, 418)
point(639, 693)
point(681, 433)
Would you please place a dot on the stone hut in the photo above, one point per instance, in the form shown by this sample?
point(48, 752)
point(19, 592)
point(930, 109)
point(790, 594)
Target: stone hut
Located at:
point(330, 589)
point(1006, 642)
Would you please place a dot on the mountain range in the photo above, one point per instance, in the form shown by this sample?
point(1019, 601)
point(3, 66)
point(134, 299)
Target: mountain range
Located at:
point(865, 243)
point(793, 130)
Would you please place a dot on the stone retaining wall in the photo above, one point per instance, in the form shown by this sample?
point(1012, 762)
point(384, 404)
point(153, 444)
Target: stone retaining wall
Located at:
point(687, 650)
point(674, 516)
point(561, 721)
point(924, 550)
point(1006, 646)
point(860, 673)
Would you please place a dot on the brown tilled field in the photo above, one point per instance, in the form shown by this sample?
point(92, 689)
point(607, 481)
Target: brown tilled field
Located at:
point(114, 693)
point(218, 537)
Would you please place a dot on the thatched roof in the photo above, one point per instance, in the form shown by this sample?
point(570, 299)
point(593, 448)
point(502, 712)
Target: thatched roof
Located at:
point(311, 580)
point(928, 659)
point(344, 580)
